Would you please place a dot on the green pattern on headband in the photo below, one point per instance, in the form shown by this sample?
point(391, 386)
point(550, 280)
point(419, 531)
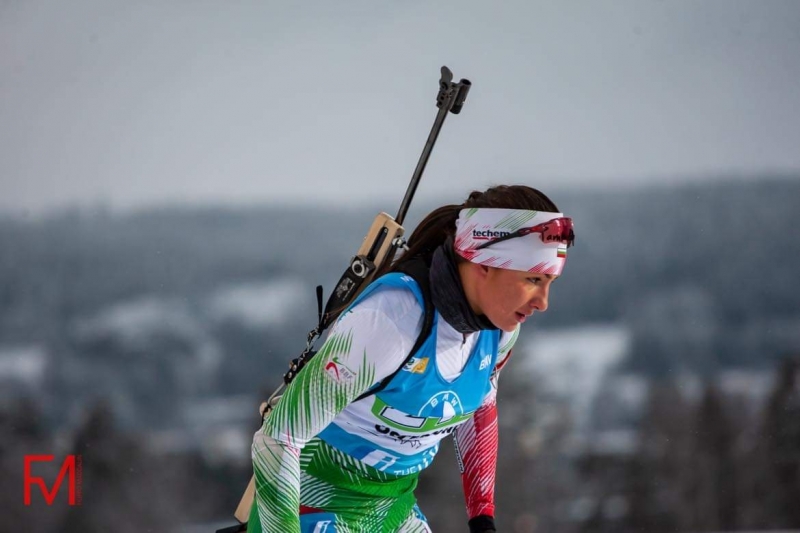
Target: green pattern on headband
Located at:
point(515, 220)
point(471, 211)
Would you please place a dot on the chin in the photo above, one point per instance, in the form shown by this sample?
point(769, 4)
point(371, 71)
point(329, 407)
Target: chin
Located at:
point(504, 323)
point(509, 328)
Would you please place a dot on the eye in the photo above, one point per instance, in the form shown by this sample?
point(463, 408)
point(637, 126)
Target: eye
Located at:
point(535, 281)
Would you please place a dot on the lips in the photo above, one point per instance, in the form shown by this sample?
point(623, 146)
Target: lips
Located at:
point(521, 317)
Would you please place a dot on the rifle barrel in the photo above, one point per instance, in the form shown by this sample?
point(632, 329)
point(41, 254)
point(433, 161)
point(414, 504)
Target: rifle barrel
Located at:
point(450, 99)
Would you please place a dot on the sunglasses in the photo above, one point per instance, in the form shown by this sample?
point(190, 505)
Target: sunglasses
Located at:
point(557, 230)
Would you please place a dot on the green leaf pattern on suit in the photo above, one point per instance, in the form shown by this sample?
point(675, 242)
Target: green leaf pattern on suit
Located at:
point(310, 402)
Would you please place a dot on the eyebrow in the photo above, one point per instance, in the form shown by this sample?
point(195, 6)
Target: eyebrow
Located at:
point(550, 277)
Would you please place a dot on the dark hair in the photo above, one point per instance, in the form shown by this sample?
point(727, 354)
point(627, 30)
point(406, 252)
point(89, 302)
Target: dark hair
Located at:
point(440, 223)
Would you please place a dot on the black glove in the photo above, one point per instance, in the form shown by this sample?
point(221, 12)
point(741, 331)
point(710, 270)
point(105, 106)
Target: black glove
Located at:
point(482, 524)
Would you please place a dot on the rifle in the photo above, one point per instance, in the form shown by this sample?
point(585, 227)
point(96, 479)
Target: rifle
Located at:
point(382, 241)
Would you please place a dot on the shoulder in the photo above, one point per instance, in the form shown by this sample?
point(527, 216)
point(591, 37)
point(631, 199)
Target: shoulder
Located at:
point(382, 328)
point(391, 313)
point(395, 304)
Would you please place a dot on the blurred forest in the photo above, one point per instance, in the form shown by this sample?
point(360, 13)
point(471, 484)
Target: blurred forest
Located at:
point(145, 341)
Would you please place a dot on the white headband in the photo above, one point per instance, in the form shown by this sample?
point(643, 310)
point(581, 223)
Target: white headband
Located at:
point(477, 226)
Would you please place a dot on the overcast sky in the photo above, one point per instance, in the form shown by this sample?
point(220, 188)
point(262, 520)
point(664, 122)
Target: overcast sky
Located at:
point(129, 103)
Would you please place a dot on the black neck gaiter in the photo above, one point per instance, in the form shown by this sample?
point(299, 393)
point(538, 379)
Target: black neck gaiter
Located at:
point(448, 293)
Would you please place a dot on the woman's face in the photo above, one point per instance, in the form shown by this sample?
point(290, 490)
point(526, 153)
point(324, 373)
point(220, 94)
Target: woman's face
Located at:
point(508, 297)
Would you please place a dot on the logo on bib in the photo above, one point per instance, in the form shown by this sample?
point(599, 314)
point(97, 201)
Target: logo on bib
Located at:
point(416, 365)
point(445, 406)
point(442, 409)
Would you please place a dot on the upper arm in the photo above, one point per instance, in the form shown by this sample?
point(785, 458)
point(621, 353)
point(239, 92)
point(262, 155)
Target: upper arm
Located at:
point(365, 345)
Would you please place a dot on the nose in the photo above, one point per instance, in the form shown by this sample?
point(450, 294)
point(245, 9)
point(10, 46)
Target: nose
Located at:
point(538, 301)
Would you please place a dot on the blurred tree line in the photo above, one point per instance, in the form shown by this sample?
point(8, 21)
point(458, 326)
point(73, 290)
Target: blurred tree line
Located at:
point(710, 464)
point(688, 270)
point(124, 487)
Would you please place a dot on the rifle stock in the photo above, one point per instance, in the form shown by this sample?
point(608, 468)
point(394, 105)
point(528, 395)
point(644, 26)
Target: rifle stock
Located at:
point(246, 503)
